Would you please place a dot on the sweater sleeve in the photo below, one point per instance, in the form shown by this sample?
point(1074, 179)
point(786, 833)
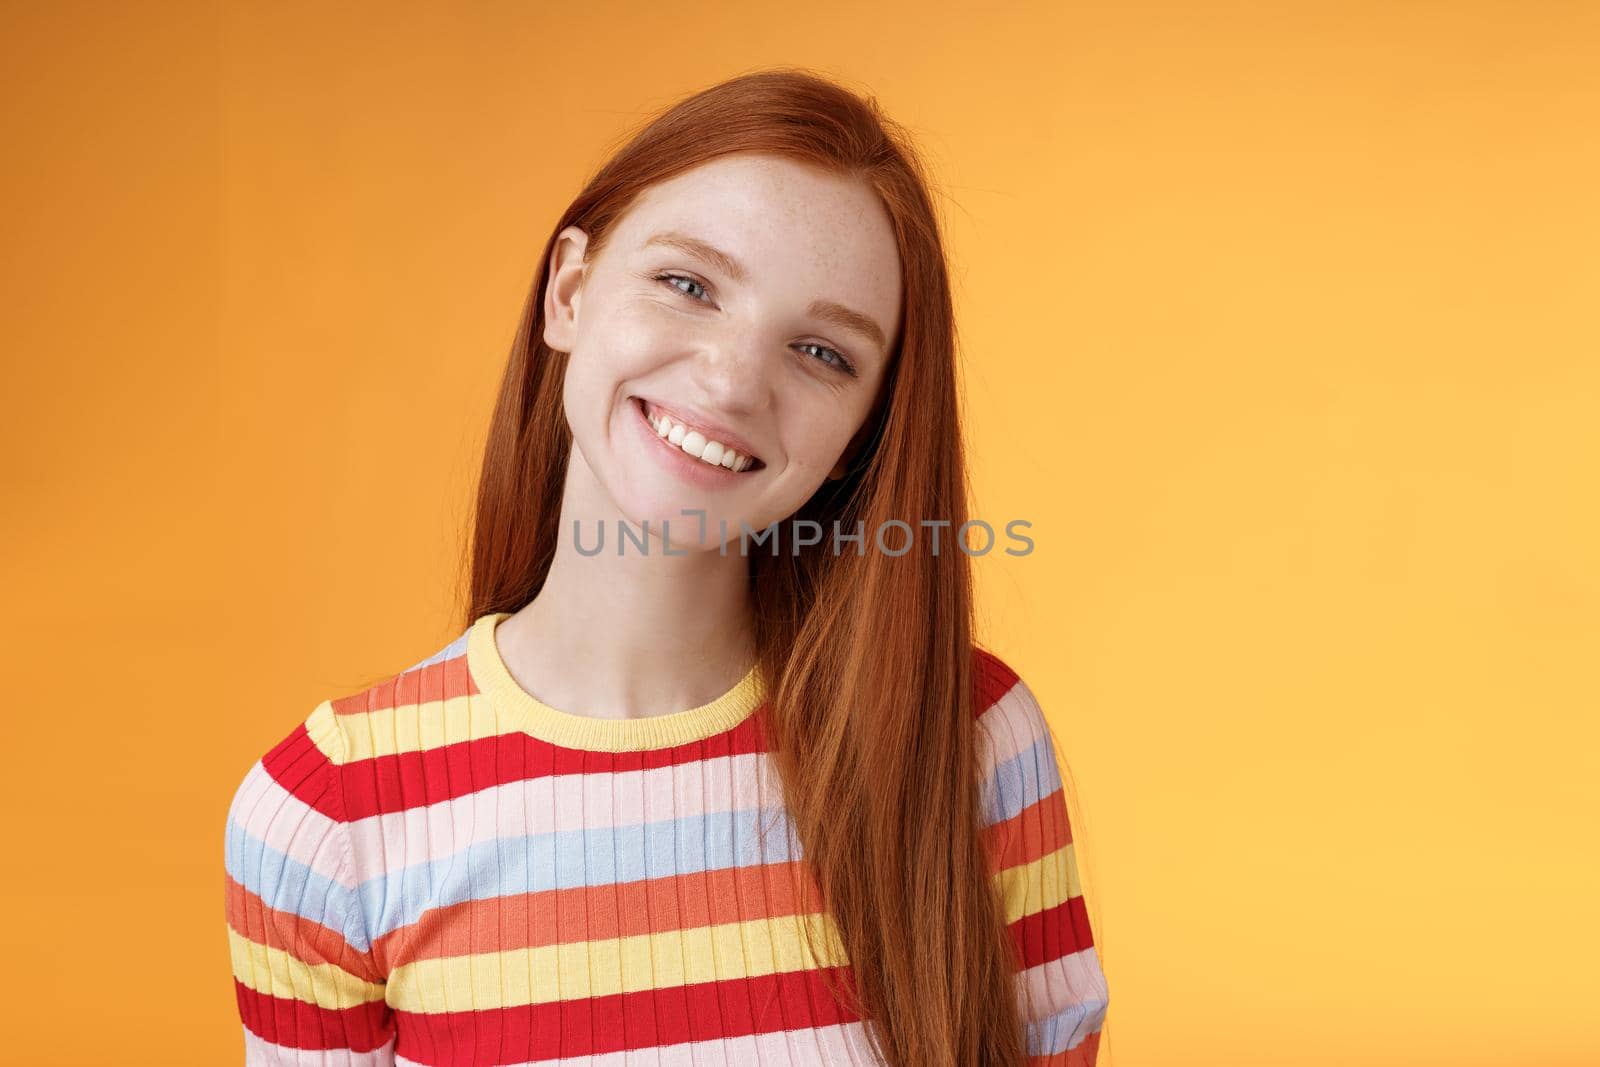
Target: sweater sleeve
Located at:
point(1060, 987)
point(309, 985)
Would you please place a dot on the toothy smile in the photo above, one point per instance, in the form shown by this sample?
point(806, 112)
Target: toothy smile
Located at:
point(700, 444)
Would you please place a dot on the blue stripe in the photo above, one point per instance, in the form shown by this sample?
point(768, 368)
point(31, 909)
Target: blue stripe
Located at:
point(454, 648)
point(289, 885)
point(567, 859)
point(1067, 1027)
point(1022, 780)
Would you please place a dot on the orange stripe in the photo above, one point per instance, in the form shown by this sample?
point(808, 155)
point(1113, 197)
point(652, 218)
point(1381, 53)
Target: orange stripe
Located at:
point(435, 682)
point(1037, 830)
point(596, 913)
point(305, 940)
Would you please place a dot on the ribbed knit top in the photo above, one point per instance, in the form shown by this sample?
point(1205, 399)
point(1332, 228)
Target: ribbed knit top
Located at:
point(442, 869)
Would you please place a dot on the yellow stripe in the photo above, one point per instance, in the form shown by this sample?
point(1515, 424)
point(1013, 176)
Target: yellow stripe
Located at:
point(323, 729)
point(617, 965)
point(275, 973)
point(416, 727)
point(1033, 887)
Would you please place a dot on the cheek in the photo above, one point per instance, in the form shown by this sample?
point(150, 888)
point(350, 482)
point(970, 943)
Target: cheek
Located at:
point(601, 359)
point(820, 438)
point(627, 342)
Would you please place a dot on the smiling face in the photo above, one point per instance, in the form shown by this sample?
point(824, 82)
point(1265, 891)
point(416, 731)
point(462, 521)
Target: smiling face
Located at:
point(752, 302)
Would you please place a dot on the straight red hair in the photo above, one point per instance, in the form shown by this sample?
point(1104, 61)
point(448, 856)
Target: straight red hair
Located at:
point(868, 659)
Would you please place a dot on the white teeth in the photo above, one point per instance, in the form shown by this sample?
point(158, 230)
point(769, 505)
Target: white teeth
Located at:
point(698, 445)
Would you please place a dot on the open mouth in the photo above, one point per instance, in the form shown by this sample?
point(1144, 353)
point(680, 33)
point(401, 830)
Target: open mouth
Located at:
point(695, 443)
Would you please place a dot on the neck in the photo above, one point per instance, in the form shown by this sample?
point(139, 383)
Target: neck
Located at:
point(633, 634)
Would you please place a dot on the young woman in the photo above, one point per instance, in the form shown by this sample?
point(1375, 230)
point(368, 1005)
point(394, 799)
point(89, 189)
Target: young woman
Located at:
point(694, 785)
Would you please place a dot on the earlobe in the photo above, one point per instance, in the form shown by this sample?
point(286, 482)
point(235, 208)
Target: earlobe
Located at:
point(563, 289)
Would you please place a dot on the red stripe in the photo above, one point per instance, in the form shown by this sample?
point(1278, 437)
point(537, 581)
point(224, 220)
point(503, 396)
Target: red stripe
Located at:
point(298, 765)
point(395, 783)
point(297, 1024)
point(646, 1019)
point(1050, 934)
point(991, 678)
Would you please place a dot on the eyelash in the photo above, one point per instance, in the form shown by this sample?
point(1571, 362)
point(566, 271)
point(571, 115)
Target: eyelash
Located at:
point(667, 278)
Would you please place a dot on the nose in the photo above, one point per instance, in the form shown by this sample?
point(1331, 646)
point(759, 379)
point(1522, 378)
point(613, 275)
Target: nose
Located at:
point(734, 372)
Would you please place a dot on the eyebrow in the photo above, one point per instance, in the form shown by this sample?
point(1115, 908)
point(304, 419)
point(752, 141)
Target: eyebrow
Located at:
point(826, 310)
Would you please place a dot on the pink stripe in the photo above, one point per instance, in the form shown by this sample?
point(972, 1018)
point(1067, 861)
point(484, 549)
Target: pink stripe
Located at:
point(1075, 978)
point(270, 813)
point(259, 1052)
point(839, 1045)
point(564, 802)
point(1012, 724)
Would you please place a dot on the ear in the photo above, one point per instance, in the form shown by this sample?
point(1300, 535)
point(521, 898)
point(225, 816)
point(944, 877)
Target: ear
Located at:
point(562, 290)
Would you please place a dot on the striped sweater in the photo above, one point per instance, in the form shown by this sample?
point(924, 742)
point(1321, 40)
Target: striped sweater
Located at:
point(442, 870)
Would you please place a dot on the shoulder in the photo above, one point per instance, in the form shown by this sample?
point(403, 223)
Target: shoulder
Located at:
point(295, 778)
point(285, 847)
point(307, 763)
point(298, 843)
point(1003, 703)
point(335, 762)
point(287, 852)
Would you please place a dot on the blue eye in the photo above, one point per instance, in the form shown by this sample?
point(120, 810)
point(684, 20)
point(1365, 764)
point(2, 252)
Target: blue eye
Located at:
point(674, 279)
point(838, 361)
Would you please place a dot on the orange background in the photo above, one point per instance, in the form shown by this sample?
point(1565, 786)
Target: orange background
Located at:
point(1279, 323)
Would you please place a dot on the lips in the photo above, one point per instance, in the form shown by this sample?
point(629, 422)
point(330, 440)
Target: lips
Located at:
point(653, 410)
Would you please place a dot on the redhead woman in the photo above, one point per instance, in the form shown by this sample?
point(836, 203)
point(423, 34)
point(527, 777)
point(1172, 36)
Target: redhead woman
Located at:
point(714, 771)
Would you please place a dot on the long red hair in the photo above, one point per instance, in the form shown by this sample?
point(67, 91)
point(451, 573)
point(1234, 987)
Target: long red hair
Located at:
point(868, 659)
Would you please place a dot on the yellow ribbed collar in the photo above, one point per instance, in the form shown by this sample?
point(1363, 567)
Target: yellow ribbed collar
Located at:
point(572, 730)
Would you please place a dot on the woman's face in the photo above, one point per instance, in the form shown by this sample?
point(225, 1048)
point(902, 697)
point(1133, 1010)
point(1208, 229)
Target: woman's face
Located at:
point(753, 301)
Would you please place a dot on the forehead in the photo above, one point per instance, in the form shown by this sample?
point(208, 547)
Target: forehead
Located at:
point(788, 222)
